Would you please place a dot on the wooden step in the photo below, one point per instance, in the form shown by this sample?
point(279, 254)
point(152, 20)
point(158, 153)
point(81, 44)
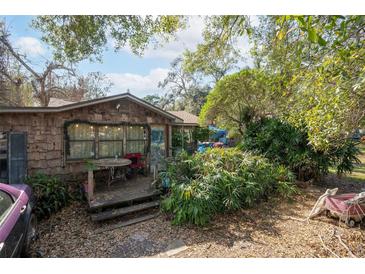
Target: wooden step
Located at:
point(109, 214)
point(121, 198)
point(126, 223)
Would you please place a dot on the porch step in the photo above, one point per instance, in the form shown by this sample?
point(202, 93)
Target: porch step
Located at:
point(127, 223)
point(122, 199)
point(112, 213)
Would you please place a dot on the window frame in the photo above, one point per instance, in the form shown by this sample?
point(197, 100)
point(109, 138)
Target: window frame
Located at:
point(99, 140)
point(69, 141)
point(96, 141)
point(109, 141)
point(144, 140)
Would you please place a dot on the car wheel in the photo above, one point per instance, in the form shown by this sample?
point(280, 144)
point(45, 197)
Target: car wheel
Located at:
point(30, 235)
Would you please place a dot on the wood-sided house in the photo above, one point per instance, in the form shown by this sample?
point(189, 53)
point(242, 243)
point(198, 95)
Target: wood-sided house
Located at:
point(56, 140)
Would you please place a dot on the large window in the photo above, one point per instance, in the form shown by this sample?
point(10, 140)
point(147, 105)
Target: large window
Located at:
point(110, 141)
point(88, 141)
point(81, 141)
point(136, 139)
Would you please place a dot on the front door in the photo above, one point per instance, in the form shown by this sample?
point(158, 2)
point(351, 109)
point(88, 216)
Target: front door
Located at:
point(17, 159)
point(158, 145)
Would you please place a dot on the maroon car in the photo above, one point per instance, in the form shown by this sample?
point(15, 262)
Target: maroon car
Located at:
point(17, 223)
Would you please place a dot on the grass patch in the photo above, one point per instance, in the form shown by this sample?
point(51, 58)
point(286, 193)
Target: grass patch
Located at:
point(358, 174)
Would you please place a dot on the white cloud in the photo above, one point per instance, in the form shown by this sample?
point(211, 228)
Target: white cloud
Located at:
point(185, 39)
point(29, 46)
point(139, 85)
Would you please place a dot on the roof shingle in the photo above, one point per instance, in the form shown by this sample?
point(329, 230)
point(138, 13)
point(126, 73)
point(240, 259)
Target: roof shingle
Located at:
point(187, 117)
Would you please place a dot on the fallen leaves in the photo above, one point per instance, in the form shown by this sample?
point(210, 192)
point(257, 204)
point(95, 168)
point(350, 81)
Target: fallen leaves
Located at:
point(271, 229)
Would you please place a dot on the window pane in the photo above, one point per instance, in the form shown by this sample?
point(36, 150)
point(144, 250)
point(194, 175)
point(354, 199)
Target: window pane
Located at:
point(110, 133)
point(5, 204)
point(3, 169)
point(81, 132)
point(110, 149)
point(135, 147)
point(135, 133)
point(81, 150)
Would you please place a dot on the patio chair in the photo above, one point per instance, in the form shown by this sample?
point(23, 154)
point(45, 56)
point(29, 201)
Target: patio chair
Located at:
point(138, 162)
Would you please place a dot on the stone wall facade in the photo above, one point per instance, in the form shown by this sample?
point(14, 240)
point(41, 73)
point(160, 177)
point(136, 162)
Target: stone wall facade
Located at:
point(45, 131)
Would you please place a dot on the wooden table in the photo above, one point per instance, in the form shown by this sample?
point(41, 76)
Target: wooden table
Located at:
point(110, 164)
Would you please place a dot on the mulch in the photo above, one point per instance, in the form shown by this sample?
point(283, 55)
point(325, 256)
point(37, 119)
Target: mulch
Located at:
point(272, 229)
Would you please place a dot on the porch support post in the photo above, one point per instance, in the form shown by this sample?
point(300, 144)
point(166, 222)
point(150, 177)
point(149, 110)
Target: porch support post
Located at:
point(170, 141)
point(90, 185)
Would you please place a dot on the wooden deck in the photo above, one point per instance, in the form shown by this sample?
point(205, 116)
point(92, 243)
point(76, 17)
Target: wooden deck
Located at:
point(123, 193)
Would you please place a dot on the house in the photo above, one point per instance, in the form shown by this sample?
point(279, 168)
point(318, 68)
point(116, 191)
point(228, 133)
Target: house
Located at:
point(57, 140)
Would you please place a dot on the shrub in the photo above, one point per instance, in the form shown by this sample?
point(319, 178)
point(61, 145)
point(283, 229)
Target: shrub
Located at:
point(51, 194)
point(289, 146)
point(221, 180)
point(344, 157)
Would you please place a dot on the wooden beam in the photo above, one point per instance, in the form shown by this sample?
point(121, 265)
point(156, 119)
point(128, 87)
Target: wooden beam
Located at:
point(90, 185)
point(169, 141)
point(113, 213)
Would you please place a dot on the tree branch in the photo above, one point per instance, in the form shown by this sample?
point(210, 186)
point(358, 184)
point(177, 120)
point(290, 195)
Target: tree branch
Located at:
point(17, 56)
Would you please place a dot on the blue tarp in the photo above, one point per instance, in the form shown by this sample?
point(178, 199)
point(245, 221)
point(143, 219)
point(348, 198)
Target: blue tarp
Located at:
point(219, 134)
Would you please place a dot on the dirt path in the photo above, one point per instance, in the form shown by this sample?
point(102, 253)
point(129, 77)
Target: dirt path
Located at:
point(266, 231)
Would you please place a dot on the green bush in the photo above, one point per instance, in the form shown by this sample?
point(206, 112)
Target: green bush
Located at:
point(221, 180)
point(289, 146)
point(51, 194)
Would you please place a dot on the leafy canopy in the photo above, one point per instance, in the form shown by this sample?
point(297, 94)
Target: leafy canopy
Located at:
point(78, 37)
point(316, 66)
point(319, 62)
point(237, 99)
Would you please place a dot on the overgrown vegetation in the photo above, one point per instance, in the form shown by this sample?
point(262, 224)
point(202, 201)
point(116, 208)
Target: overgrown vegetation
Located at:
point(221, 180)
point(51, 194)
point(358, 173)
point(281, 142)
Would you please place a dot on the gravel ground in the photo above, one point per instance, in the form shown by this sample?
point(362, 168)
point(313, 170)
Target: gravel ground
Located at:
point(270, 230)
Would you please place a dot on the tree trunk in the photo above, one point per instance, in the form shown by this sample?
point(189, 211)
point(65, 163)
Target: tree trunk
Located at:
point(43, 96)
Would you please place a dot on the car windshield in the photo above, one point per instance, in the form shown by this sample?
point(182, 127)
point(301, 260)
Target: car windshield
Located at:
point(5, 204)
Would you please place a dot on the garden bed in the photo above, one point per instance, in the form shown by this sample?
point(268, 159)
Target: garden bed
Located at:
point(269, 230)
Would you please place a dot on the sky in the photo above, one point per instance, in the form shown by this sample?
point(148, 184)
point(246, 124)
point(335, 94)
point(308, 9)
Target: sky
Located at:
point(124, 69)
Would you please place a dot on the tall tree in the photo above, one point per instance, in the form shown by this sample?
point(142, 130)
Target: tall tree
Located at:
point(93, 85)
point(185, 91)
point(238, 99)
point(318, 68)
point(211, 63)
point(320, 65)
point(78, 37)
point(56, 80)
point(43, 83)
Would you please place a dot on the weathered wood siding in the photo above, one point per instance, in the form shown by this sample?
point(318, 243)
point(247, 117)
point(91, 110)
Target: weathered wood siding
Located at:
point(45, 131)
